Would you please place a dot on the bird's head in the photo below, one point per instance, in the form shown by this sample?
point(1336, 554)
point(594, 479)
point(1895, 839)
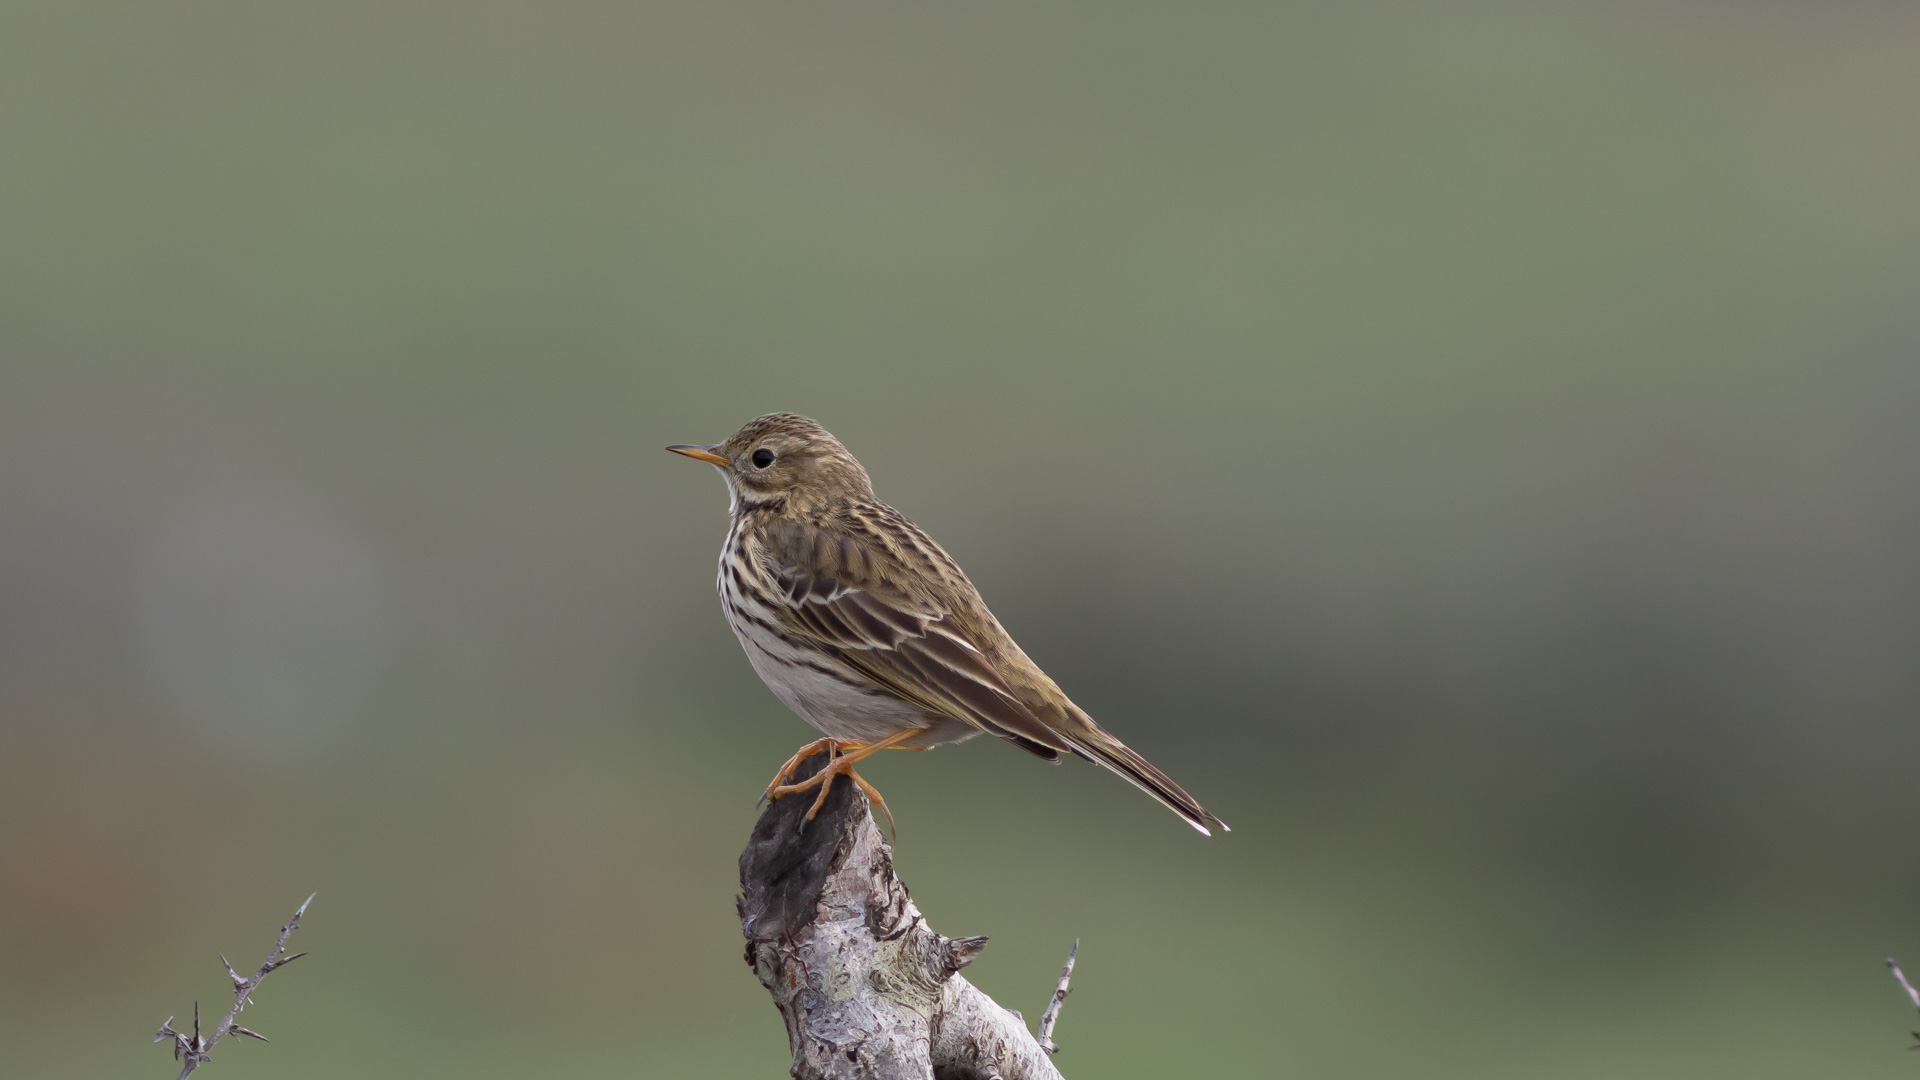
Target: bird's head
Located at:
point(783, 454)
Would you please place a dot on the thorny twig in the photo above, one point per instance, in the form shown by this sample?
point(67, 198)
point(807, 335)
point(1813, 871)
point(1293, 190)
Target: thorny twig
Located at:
point(195, 1049)
point(1060, 993)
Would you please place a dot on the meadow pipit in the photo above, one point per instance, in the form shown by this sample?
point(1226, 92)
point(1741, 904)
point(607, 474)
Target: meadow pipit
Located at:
point(866, 628)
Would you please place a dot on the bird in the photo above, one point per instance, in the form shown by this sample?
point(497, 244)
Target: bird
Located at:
point(864, 626)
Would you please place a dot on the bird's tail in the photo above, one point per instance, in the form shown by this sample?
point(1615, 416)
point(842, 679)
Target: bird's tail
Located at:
point(1103, 749)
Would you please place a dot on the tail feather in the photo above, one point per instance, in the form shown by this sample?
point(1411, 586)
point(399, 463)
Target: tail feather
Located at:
point(1105, 750)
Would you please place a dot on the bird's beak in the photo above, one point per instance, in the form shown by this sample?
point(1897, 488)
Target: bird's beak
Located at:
point(701, 453)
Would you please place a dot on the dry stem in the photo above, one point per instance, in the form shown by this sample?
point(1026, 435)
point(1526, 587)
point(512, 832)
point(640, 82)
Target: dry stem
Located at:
point(195, 1049)
point(1060, 992)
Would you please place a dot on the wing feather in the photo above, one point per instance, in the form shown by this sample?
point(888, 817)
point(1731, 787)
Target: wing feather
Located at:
point(909, 645)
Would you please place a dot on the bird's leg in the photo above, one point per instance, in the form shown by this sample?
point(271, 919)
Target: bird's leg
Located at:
point(844, 763)
point(829, 745)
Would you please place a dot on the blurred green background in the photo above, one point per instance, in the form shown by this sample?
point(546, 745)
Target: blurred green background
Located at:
point(1471, 446)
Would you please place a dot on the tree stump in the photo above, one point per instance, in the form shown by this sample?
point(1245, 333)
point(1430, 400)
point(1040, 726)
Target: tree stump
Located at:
point(868, 990)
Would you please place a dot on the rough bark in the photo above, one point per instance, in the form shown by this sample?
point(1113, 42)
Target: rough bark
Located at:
point(868, 990)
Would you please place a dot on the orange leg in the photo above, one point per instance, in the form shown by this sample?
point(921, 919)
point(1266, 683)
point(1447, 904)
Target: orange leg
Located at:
point(842, 763)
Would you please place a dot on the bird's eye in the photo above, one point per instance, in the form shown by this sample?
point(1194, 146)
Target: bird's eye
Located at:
point(762, 458)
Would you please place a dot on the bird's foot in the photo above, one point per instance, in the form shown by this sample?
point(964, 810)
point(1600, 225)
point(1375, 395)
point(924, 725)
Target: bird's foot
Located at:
point(824, 781)
point(827, 745)
point(846, 754)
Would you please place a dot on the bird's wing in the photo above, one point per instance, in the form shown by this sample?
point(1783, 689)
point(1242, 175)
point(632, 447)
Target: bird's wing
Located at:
point(839, 593)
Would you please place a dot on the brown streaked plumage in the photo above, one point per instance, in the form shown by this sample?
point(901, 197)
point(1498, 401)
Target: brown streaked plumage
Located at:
point(860, 623)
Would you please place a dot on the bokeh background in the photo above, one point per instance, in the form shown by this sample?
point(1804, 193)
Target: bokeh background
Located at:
point(1473, 446)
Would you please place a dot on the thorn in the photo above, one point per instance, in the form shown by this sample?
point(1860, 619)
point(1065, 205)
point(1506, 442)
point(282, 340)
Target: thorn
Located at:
point(196, 1023)
point(249, 1033)
point(239, 980)
point(303, 905)
point(278, 964)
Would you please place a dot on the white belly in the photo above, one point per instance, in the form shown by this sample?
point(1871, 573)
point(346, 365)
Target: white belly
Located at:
point(832, 699)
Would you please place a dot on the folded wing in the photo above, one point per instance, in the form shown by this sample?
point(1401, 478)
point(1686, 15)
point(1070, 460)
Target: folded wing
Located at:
point(910, 645)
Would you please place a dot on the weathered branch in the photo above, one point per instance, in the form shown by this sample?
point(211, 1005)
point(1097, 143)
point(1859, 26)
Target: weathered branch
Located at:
point(868, 990)
point(195, 1049)
point(1912, 994)
point(1060, 992)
